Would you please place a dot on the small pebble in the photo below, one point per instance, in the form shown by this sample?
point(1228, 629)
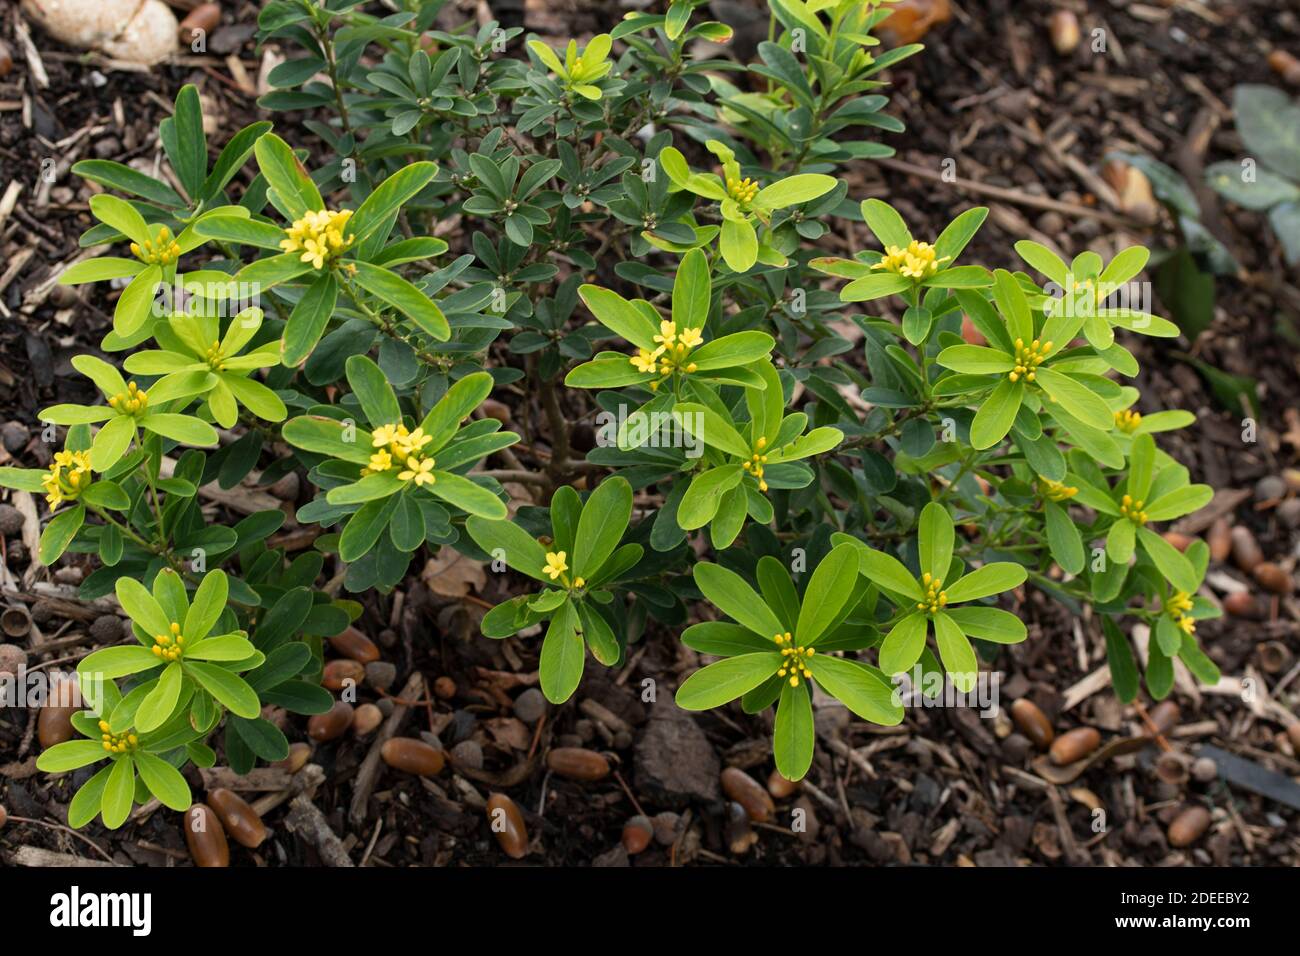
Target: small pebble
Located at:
point(530, 705)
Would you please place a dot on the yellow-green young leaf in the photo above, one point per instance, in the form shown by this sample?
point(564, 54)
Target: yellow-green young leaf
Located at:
point(87, 801)
point(141, 606)
point(885, 223)
point(739, 244)
point(828, 589)
point(1045, 261)
point(58, 534)
point(766, 405)
point(875, 286)
point(157, 707)
point(326, 436)
point(612, 371)
point(1077, 399)
point(226, 647)
point(185, 429)
point(23, 479)
point(256, 397)
point(1202, 668)
point(240, 230)
point(711, 428)
point(453, 408)
point(956, 653)
point(604, 519)
point(989, 624)
point(1120, 541)
point(692, 291)
point(700, 503)
point(996, 416)
point(733, 596)
point(991, 579)
point(121, 215)
point(620, 316)
point(1172, 563)
point(861, 689)
point(794, 190)
point(958, 234)
point(975, 360)
point(106, 494)
point(723, 681)
point(903, 645)
point(934, 538)
point(72, 755)
point(136, 303)
point(563, 654)
point(1141, 468)
point(111, 663)
point(888, 572)
point(1126, 264)
point(163, 780)
point(739, 348)
point(100, 270)
point(1013, 305)
point(548, 57)
point(230, 690)
point(1179, 502)
point(382, 484)
point(792, 732)
point(119, 792)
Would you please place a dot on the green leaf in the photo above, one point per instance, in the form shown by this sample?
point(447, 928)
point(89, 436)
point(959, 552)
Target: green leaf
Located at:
point(87, 801)
point(956, 653)
point(72, 755)
point(903, 645)
point(604, 519)
point(232, 691)
point(886, 224)
point(863, 690)
point(127, 180)
point(793, 190)
point(828, 589)
point(1063, 538)
point(136, 303)
point(142, 607)
point(393, 193)
point(599, 635)
point(620, 316)
point(453, 408)
point(888, 572)
point(989, 624)
point(225, 647)
point(122, 216)
point(975, 360)
point(875, 286)
point(100, 270)
point(700, 503)
point(738, 244)
point(991, 579)
point(308, 319)
point(724, 639)
point(466, 495)
point(1123, 668)
point(793, 737)
point(58, 534)
point(404, 297)
point(1077, 399)
point(328, 436)
point(163, 780)
point(723, 681)
point(1172, 563)
point(692, 291)
point(110, 663)
point(119, 792)
point(370, 385)
point(731, 595)
point(158, 706)
point(294, 192)
point(958, 234)
point(505, 538)
point(934, 538)
point(1120, 540)
point(563, 655)
point(365, 526)
point(1013, 305)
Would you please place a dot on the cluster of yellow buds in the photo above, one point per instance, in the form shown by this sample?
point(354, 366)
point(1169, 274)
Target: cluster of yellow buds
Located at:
point(918, 261)
point(215, 358)
point(934, 597)
point(170, 646)
point(398, 446)
point(795, 659)
point(756, 462)
point(742, 190)
point(1028, 358)
point(1056, 490)
point(69, 475)
point(319, 235)
point(671, 353)
point(131, 402)
point(1128, 421)
point(1177, 607)
point(1133, 509)
point(161, 251)
point(117, 743)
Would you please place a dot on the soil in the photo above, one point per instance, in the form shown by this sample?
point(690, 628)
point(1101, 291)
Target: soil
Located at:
point(990, 94)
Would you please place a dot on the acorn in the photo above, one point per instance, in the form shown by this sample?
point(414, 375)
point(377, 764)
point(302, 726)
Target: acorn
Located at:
point(1189, 826)
point(1245, 549)
point(1033, 723)
point(205, 837)
point(1272, 577)
point(352, 643)
point(1074, 745)
point(366, 720)
point(341, 673)
point(200, 22)
point(413, 756)
point(779, 787)
point(749, 793)
point(444, 688)
point(1179, 541)
point(1286, 66)
point(299, 754)
point(508, 824)
point(1219, 538)
point(637, 834)
point(239, 819)
point(1242, 604)
point(1063, 27)
point(575, 763)
point(331, 724)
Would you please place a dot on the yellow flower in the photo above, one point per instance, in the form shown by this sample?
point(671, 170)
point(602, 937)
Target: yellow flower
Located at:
point(131, 402)
point(935, 598)
point(667, 334)
point(162, 250)
point(918, 261)
point(1132, 510)
point(555, 565)
point(1179, 603)
point(380, 461)
point(68, 477)
point(384, 435)
point(690, 338)
point(320, 236)
point(1056, 490)
point(169, 647)
point(1128, 421)
point(644, 360)
point(419, 470)
point(411, 442)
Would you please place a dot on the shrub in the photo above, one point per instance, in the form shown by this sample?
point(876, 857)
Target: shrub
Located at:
point(859, 499)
